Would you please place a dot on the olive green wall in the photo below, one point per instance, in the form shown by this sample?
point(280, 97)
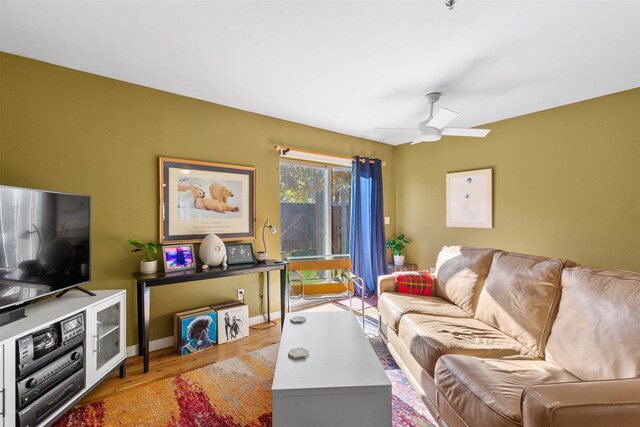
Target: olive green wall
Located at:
point(70, 131)
point(566, 183)
point(566, 180)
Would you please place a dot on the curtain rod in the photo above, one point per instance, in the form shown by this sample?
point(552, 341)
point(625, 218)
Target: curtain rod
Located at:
point(283, 151)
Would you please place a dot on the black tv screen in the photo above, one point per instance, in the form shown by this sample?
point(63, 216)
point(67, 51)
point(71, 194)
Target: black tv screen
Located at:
point(44, 243)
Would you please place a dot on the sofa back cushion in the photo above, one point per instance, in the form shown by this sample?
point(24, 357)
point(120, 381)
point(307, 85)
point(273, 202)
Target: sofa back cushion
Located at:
point(460, 275)
point(596, 334)
point(520, 297)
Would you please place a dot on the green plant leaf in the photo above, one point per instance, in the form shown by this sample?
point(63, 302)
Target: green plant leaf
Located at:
point(398, 244)
point(150, 249)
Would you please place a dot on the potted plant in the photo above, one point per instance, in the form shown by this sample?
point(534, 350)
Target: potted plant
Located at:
point(149, 263)
point(397, 245)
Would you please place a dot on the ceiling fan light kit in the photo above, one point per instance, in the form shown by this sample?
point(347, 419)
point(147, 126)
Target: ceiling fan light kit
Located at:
point(428, 134)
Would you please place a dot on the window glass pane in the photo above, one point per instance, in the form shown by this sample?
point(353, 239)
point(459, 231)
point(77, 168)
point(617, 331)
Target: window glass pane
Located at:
point(314, 221)
point(340, 209)
point(303, 209)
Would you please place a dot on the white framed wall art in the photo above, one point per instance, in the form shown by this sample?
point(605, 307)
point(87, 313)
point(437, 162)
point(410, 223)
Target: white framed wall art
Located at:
point(469, 199)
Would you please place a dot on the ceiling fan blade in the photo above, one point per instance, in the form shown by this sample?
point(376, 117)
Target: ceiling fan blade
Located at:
point(480, 133)
point(420, 140)
point(442, 119)
point(413, 129)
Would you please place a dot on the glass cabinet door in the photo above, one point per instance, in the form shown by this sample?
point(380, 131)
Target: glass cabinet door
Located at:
point(108, 339)
point(105, 337)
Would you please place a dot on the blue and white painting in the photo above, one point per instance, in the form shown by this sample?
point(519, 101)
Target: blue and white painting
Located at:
point(199, 332)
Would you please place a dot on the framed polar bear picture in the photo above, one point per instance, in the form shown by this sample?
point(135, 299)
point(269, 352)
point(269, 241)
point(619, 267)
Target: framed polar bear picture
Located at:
point(199, 198)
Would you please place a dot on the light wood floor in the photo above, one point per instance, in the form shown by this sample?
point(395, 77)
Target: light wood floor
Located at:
point(167, 362)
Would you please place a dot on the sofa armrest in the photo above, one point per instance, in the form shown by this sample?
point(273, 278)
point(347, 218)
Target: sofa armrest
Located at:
point(592, 403)
point(386, 283)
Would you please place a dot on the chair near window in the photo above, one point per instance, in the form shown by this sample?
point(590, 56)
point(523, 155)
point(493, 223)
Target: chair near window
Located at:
point(323, 278)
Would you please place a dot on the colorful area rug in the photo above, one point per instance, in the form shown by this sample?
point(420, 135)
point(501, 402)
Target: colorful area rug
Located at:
point(235, 392)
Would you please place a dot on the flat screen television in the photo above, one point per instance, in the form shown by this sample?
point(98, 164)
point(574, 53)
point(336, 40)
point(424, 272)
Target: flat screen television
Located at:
point(45, 244)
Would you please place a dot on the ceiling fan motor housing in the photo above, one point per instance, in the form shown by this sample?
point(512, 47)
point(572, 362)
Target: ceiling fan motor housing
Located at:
point(428, 133)
point(432, 97)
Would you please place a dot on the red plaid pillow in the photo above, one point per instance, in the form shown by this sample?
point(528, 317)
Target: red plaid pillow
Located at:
point(415, 283)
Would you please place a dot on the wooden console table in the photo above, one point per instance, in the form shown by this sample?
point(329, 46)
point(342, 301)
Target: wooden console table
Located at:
point(147, 281)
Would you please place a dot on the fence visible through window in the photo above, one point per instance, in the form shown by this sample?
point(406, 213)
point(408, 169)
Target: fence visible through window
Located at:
point(315, 209)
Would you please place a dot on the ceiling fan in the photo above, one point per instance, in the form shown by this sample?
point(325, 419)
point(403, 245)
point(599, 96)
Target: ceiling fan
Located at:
point(433, 128)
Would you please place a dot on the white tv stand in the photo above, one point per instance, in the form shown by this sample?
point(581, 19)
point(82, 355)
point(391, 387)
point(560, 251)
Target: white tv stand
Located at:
point(104, 350)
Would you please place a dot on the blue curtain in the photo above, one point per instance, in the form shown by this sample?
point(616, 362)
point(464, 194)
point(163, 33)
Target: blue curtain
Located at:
point(367, 239)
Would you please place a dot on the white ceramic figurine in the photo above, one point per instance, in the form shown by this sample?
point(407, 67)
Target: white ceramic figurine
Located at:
point(213, 252)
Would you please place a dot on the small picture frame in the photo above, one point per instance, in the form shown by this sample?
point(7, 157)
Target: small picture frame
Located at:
point(240, 253)
point(233, 322)
point(195, 330)
point(178, 257)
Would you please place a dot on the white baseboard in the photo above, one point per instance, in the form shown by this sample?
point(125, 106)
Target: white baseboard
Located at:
point(165, 342)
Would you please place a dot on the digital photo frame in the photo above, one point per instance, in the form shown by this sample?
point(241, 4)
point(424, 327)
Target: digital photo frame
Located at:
point(240, 253)
point(178, 257)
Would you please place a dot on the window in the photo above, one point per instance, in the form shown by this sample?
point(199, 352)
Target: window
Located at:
point(315, 208)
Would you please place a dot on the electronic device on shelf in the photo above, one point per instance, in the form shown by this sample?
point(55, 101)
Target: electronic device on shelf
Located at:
point(40, 409)
point(46, 246)
point(39, 348)
point(34, 385)
point(49, 369)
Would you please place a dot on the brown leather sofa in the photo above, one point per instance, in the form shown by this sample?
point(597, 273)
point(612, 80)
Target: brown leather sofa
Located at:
point(519, 340)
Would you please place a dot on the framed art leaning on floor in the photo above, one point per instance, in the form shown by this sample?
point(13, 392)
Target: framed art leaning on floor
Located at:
point(195, 330)
point(233, 323)
point(199, 198)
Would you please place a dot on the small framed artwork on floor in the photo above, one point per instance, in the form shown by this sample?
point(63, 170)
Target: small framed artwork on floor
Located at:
point(233, 323)
point(196, 331)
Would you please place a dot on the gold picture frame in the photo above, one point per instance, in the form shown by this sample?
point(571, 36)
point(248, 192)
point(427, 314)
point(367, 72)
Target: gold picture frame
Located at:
point(198, 198)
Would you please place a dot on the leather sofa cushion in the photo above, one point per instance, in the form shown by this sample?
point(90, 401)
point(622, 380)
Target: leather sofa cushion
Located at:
point(392, 305)
point(430, 337)
point(421, 381)
point(596, 334)
point(487, 392)
point(520, 297)
point(460, 275)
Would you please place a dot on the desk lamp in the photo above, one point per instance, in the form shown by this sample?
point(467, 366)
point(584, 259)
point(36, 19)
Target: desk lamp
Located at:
point(273, 230)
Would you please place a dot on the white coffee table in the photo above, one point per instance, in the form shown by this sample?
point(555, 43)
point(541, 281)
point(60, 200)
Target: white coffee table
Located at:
point(341, 383)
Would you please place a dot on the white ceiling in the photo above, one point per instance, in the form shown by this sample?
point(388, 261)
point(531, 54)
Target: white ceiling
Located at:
point(344, 66)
